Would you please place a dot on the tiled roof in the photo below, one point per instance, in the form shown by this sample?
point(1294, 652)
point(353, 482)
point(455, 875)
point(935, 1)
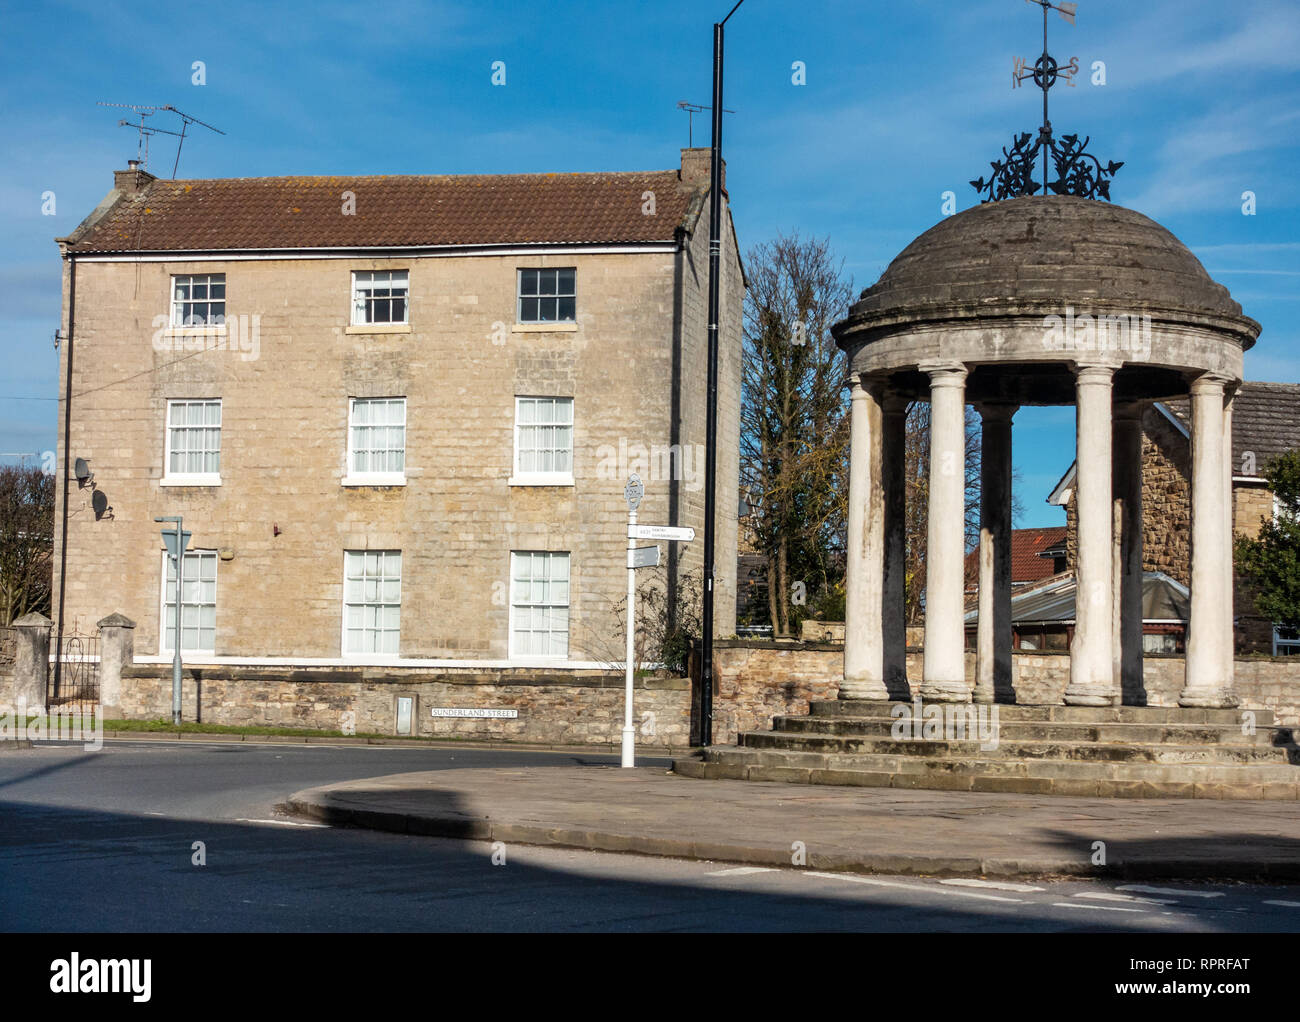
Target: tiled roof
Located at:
point(1026, 547)
point(474, 209)
point(1265, 421)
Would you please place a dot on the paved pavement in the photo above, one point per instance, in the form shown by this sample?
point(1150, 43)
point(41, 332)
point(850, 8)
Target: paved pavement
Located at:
point(117, 828)
point(871, 830)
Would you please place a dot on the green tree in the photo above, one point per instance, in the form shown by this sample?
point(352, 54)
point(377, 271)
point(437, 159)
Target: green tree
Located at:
point(1271, 561)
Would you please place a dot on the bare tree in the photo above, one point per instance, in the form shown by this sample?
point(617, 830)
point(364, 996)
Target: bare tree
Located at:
point(794, 421)
point(26, 541)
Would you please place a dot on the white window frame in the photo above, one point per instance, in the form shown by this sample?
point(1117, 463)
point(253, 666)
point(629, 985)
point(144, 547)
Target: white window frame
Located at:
point(520, 296)
point(562, 477)
point(177, 304)
point(170, 478)
point(355, 478)
point(515, 652)
point(361, 306)
point(348, 654)
point(165, 589)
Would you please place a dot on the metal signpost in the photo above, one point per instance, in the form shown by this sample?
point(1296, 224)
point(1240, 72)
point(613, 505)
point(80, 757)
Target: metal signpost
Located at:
point(639, 557)
point(176, 540)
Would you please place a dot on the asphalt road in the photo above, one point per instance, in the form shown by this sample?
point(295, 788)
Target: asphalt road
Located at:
point(118, 828)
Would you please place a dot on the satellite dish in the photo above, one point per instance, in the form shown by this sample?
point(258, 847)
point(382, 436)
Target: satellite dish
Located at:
point(81, 469)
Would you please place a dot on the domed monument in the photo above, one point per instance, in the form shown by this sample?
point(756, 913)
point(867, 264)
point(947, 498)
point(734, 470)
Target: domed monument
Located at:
point(1045, 294)
point(1038, 299)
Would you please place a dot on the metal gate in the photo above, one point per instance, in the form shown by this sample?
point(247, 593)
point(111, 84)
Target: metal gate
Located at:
point(73, 685)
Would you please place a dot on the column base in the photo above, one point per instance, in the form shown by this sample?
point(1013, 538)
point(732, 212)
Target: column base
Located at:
point(1089, 697)
point(945, 692)
point(863, 688)
point(1208, 698)
point(983, 694)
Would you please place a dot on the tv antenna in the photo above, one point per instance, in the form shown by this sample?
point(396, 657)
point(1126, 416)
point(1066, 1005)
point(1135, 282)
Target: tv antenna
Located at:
point(147, 130)
point(691, 110)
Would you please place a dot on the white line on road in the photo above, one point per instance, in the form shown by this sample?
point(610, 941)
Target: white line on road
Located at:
point(1107, 896)
point(1099, 908)
point(284, 823)
point(912, 887)
point(740, 871)
point(995, 885)
point(1169, 890)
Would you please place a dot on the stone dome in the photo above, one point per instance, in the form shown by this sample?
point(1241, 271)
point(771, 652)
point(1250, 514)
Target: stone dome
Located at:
point(1034, 254)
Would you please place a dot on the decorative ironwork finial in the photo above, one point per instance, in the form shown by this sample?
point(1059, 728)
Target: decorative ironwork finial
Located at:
point(1078, 172)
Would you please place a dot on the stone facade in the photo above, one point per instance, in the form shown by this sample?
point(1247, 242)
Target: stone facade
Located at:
point(282, 517)
point(8, 651)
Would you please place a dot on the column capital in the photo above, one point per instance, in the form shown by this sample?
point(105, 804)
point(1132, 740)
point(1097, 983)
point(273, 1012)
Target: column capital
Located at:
point(894, 403)
point(1128, 411)
point(1094, 373)
point(945, 374)
point(1210, 383)
point(995, 411)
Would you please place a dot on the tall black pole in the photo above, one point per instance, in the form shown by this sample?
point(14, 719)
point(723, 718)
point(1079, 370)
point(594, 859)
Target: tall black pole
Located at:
point(711, 437)
point(67, 470)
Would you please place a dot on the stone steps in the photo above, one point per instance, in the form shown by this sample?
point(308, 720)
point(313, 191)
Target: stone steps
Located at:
point(1049, 731)
point(1083, 751)
point(1111, 751)
point(1024, 776)
point(869, 708)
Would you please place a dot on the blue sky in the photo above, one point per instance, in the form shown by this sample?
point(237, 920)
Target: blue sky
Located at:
point(903, 101)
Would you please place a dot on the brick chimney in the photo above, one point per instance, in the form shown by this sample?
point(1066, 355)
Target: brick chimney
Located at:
point(133, 180)
point(695, 167)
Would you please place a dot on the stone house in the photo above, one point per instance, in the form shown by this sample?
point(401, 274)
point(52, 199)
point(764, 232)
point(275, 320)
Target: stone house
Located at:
point(396, 413)
point(1265, 423)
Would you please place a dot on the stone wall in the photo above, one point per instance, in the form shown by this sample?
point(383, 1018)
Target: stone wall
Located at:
point(756, 680)
point(8, 650)
point(572, 708)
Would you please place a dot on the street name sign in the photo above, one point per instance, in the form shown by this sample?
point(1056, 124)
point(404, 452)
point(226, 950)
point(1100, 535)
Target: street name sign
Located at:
point(643, 557)
point(660, 532)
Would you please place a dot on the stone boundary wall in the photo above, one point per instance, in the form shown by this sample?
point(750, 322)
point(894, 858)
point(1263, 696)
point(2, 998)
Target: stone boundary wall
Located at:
point(569, 708)
point(8, 652)
point(757, 679)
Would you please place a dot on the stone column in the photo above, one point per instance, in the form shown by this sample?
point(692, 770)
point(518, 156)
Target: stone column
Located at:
point(1229, 562)
point(1091, 654)
point(864, 671)
point(31, 663)
point(1209, 651)
point(993, 642)
point(116, 650)
point(894, 466)
point(944, 672)
point(1126, 480)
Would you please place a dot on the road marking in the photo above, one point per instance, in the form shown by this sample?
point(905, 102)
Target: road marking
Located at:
point(1099, 908)
point(1284, 904)
point(1105, 896)
point(1170, 890)
point(284, 823)
point(740, 871)
point(991, 884)
point(915, 888)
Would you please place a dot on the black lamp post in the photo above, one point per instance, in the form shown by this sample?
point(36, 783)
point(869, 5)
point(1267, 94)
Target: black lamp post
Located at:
point(711, 454)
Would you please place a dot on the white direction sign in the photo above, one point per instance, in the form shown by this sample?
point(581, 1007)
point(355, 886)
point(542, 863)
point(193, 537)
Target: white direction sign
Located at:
point(643, 557)
point(660, 532)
